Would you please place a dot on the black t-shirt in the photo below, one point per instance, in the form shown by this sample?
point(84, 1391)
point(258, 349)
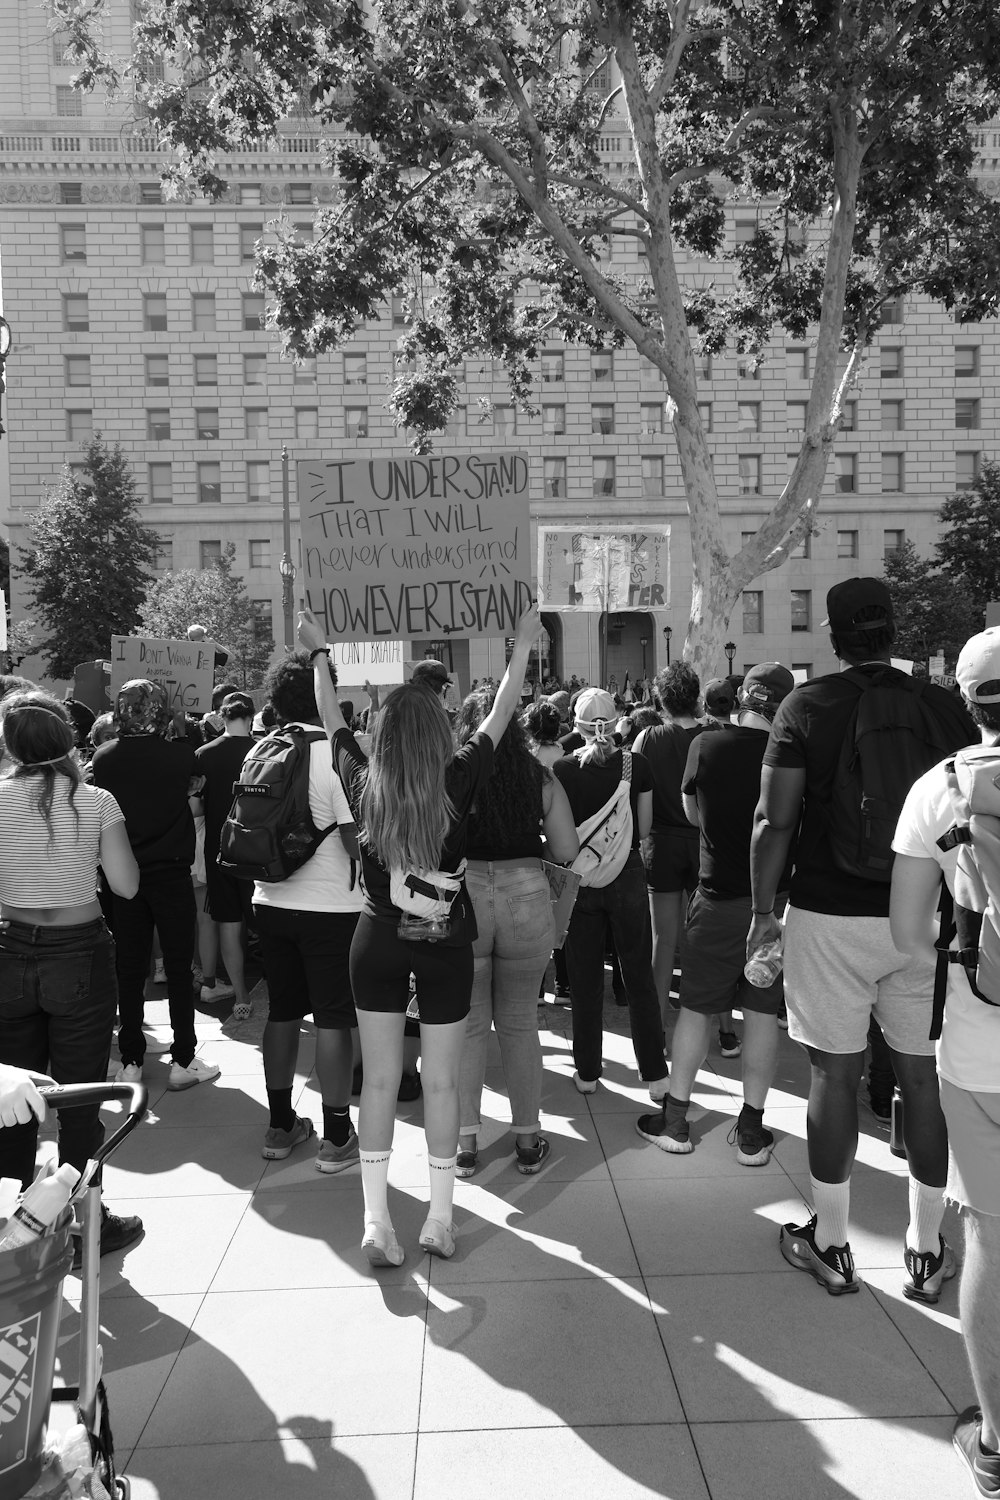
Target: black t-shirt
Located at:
point(469, 770)
point(149, 778)
point(723, 774)
point(589, 786)
point(666, 748)
point(807, 733)
point(220, 762)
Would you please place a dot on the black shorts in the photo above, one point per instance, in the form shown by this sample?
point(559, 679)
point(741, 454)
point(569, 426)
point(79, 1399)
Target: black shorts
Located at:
point(381, 965)
point(713, 952)
point(227, 899)
point(306, 964)
point(671, 860)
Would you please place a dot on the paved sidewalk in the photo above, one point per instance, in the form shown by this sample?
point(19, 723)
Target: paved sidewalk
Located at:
point(622, 1325)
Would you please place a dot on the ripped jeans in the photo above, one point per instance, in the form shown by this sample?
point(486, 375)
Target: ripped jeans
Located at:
point(58, 999)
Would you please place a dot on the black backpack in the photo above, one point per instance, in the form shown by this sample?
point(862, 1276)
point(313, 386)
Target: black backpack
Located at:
point(896, 732)
point(270, 832)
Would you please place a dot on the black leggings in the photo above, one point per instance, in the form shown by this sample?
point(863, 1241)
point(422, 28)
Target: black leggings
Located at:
point(381, 965)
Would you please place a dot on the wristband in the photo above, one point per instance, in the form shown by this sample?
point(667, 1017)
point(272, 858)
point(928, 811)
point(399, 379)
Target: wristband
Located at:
point(768, 913)
point(320, 651)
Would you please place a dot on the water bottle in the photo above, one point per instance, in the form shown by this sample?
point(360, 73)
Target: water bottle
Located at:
point(764, 965)
point(40, 1206)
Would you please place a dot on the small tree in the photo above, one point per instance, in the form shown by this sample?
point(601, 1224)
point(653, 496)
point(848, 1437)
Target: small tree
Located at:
point(215, 597)
point(969, 548)
point(89, 560)
point(932, 610)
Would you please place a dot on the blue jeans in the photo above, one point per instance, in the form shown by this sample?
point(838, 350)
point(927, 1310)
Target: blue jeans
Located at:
point(623, 905)
point(165, 901)
point(514, 917)
point(58, 999)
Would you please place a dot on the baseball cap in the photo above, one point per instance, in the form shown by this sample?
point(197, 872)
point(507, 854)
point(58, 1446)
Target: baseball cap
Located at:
point(237, 706)
point(719, 696)
point(978, 669)
point(595, 706)
point(847, 600)
point(432, 674)
point(141, 708)
point(764, 686)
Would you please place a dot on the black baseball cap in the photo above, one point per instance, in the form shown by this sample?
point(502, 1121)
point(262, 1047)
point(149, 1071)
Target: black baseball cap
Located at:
point(719, 696)
point(853, 597)
point(432, 674)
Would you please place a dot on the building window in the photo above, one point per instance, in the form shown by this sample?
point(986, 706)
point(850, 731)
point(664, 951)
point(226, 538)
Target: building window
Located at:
point(209, 553)
point(78, 369)
point(255, 369)
point(649, 374)
point(603, 476)
point(651, 417)
point(602, 419)
point(554, 478)
point(966, 412)
point(892, 416)
point(748, 413)
point(795, 418)
point(803, 550)
point(73, 239)
point(891, 362)
point(209, 486)
point(966, 361)
point(355, 369)
point(748, 367)
point(847, 544)
point(249, 235)
point(163, 558)
point(152, 244)
point(79, 426)
point(801, 609)
point(805, 667)
point(797, 364)
point(478, 421)
point(602, 365)
point(846, 472)
point(746, 228)
point(398, 311)
point(299, 192)
point(753, 612)
point(154, 312)
point(206, 424)
point(76, 313)
point(849, 417)
point(158, 423)
point(203, 312)
point(60, 44)
point(150, 192)
point(356, 421)
point(554, 421)
point(260, 553)
point(553, 367)
point(248, 195)
point(258, 482)
point(255, 423)
point(157, 369)
point(202, 245)
point(749, 465)
point(892, 474)
point(652, 474)
point(304, 373)
point(206, 369)
point(69, 102)
point(161, 487)
point(702, 366)
point(966, 470)
point(253, 312)
point(892, 543)
point(263, 619)
point(891, 310)
point(504, 421)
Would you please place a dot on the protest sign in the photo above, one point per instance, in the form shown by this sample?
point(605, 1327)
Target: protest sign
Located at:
point(603, 569)
point(184, 669)
point(407, 546)
point(358, 662)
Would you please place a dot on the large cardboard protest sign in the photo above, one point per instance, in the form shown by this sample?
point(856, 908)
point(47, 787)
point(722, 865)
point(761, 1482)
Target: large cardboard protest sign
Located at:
point(406, 546)
point(358, 662)
point(184, 669)
point(603, 568)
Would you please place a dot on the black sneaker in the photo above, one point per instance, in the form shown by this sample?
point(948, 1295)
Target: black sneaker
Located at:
point(833, 1267)
point(531, 1159)
point(729, 1044)
point(967, 1440)
point(675, 1137)
point(928, 1272)
point(118, 1232)
point(881, 1107)
point(409, 1088)
point(753, 1143)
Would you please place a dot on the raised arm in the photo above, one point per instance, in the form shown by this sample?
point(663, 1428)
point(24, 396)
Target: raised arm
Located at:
point(509, 692)
point(311, 639)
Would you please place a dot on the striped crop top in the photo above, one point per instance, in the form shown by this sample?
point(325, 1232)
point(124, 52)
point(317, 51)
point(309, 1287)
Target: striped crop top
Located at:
point(37, 871)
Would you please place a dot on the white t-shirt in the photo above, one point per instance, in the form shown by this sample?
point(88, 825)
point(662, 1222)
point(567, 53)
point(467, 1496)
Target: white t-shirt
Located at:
point(324, 882)
point(968, 1054)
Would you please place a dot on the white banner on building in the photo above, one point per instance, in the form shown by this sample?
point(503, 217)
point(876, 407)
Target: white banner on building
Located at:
point(603, 569)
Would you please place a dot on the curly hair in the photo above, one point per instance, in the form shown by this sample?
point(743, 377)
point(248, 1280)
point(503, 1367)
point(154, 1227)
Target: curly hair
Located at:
point(509, 807)
point(676, 689)
point(639, 719)
point(289, 688)
point(543, 723)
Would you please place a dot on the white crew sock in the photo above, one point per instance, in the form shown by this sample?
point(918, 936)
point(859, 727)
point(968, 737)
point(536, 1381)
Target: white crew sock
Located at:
point(375, 1186)
point(442, 1175)
point(832, 1202)
point(926, 1212)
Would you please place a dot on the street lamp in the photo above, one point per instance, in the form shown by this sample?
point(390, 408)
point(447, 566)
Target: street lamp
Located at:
point(730, 649)
point(286, 567)
point(667, 633)
point(643, 642)
point(6, 342)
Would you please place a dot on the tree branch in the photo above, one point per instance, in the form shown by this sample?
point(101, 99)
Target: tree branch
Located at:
point(600, 189)
point(679, 38)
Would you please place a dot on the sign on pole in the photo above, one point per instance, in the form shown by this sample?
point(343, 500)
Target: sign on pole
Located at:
point(184, 669)
point(358, 662)
point(603, 568)
point(409, 546)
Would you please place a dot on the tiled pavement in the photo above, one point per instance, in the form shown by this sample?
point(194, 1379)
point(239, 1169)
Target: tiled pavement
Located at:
point(622, 1325)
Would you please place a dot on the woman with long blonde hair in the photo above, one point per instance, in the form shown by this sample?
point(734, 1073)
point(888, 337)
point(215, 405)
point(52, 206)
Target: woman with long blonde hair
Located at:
point(411, 801)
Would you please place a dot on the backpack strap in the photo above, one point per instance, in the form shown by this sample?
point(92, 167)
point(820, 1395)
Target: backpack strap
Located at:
point(946, 933)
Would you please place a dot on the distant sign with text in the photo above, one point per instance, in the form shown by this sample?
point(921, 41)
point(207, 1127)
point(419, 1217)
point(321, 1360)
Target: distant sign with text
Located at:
point(408, 546)
point(184, 669)
point(603, 569)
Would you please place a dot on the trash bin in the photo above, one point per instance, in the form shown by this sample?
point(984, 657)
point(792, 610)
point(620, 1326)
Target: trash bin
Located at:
point(31, 1279)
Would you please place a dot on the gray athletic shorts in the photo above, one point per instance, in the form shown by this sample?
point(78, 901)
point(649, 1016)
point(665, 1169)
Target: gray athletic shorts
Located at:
point(973, 1148)
point(840, 971)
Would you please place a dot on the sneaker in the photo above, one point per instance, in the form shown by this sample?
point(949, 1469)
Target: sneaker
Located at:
point(243, 1010)
point(782, 1018)
point(129, 1073)
point(409, 1088)
point(118, 1232)
point(561, 995)
point(437, 1239)
point(832, 1267)
point(659, 1088)
point(967, 1441)
point(466, 1163)
point(159, 974)
point(675, 1138)
point(927, 1272)
point(531, 1159)
point(198, 1070)
point(585, 1085)
point(331, 1158)
point(730, 1044)
point(216, 992)
point(381, 1245)
point(753, 1143)
point(280, 1143)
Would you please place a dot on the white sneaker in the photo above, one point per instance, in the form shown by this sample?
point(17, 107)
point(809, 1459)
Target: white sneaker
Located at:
point(159, 975)
point(212, 994)
point(129, 1073)
point(198, 1070)
point(585, 1085)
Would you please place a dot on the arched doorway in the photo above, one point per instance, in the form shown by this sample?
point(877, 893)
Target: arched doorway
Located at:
point(629, 647)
